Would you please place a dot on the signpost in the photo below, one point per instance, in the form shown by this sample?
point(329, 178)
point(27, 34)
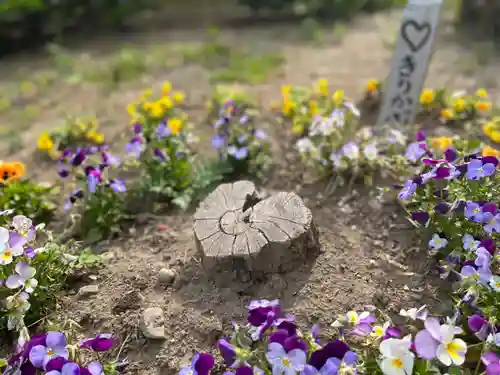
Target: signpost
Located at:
point(413, 52)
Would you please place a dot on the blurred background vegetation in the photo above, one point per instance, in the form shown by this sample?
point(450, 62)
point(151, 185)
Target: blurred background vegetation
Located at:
point(29, 23)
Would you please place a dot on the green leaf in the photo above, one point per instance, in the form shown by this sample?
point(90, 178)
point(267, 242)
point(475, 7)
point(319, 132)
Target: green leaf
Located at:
point(93, 235)
point(88, 258)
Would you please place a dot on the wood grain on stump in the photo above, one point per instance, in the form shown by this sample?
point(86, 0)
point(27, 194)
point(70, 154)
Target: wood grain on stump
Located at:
point(236, 232)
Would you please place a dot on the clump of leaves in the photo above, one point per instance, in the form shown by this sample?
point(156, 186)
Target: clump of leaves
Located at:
point(159, 149)
point(33, 272)
point(241, 146)
point(100, 199)
point(29, 198)
point(76, 132)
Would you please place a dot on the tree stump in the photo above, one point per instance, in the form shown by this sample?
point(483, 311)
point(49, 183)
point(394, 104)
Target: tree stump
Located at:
point(238, 233)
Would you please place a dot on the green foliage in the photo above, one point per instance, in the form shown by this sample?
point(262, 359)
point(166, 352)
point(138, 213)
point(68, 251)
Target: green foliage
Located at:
point(35, 19)
point(49, 265)
point(28, 198)
point(103, 214)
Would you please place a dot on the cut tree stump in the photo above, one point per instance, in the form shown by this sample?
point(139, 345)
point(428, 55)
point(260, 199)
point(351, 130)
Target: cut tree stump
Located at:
point(237, 232)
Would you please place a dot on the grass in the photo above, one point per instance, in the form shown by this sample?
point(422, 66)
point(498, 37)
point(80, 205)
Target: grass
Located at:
point(248, 68)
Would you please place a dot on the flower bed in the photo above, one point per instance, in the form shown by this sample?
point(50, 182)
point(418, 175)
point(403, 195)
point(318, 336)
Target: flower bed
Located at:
point(449, 187)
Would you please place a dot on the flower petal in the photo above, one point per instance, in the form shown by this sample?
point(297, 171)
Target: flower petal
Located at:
point(14, 281)
point(70, 368)
point(204, 364)
point(95, 368)
point(433, 327)
point(297, 358)
point(443, 355)
point(55, 340)
point(4, 235)
point(37, 355)
point(426, 346)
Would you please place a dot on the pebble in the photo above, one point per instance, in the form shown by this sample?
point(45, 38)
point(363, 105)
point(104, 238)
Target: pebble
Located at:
point(151, 323)
point(88, 289)
point(166, 276)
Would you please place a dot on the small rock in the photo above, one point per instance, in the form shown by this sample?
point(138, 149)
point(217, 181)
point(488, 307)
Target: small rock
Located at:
point(166, 276)
point(151, 323)
point(88, 289)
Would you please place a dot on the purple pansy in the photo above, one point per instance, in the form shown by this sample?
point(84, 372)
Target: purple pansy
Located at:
point(492, 222)
point(135, 147)
point(492, 363)
point(473, 212)
point(118, 186)
point(102, 342)
point(201, 364)
point(414, 152)
point(482, 274)
point(218, 142)
point(227, 352)
point(407, 190)
point(477, 170)
point(55, 346)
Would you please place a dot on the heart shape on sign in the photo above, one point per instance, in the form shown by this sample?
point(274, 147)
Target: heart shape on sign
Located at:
point(415, 34)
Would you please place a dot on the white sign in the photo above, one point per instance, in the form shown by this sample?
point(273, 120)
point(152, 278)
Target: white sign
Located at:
point(413, 52)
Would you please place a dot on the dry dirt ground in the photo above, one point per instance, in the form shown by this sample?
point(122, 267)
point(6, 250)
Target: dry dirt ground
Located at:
point(369, 255)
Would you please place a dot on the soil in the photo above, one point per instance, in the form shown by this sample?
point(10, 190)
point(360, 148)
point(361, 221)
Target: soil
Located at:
point(369, 255)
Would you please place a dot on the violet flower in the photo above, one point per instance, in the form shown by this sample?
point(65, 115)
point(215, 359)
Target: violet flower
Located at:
point(55, 346)
point(477, 170)
point(102, 342)
point(492, 363)
point(437, 341)
point(118, 186)
point(227, 352)
point(409, 188)
point(200, 365)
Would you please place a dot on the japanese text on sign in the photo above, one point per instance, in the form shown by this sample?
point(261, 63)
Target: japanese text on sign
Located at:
point(410, 62)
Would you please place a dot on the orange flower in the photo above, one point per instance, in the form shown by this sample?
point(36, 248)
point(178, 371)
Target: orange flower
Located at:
point(483, 106)
point(11, 171)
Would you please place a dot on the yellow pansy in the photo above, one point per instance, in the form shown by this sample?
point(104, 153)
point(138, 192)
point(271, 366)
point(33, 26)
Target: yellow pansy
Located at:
point(166, 88)
point(490, 151)
point(166, 102)
point(446, 114)
point(45, 143)
point(175, 125)
point(322, 87)
point(313, 107)
point(459, 104)
point(489, 128)
point(372, 86)
point(178, 97)
point(482, 93)
point(494, 136)
point(427, 96)
point(338, 97)
point(288, 107)
point(286, 90)
point(483, 106)
point(157, 109)
point(442, 143)
point(95, 137)
point(147, 106)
